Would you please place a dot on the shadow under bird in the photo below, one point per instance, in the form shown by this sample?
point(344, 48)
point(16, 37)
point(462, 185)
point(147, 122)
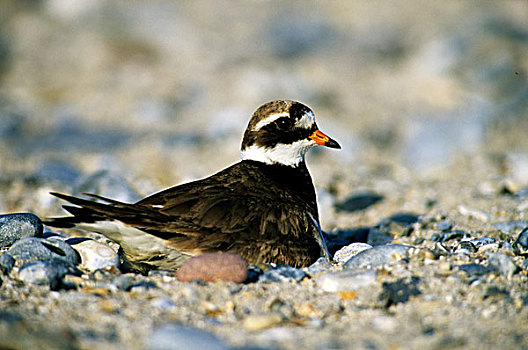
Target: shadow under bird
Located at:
point(262, 208)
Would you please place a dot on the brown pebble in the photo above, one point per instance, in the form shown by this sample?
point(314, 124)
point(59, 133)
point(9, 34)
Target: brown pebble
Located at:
point(211, 267)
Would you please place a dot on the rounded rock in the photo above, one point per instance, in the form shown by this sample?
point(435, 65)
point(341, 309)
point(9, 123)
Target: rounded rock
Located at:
point(344, 254)
point(377, 256)
point(211, 267)
point(14, 227)
point(45, 272)
point(33, 248)
point(520, 246)
point(96, 255)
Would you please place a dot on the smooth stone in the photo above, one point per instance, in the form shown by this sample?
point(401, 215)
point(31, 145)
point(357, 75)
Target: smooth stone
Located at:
point(359, 201)
point(346, 280)
point(211, 267)
point(347, 252)
point(473, 269)
point(510, 226)
point(96, 255)
point(321, 264)
point(14, 227)
point(283, 273)
point(502, 264)
point(377, 256)
point(259, 322)
point(110, 185)
point(520, 246)
point(174, 336)
point(46, 272)
point(6, 263)
point(32, 248)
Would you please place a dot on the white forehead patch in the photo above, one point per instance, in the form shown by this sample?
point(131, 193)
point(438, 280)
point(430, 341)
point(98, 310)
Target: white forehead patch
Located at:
point(306, 121)
point(269, 120)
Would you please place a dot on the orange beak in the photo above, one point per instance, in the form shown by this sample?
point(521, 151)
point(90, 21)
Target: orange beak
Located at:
point(321, 139)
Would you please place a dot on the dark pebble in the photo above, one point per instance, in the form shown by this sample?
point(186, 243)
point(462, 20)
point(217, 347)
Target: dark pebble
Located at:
point(212, 267)
point(33, 248)
point(446, 236)
point(466, 247)
point(359, 201)
point(399, 291)
point(283, 273)
point(17, 226)
point(520, 246)
point(6, 263)
point(377, 256)
point(46, 272)
point(473, 269)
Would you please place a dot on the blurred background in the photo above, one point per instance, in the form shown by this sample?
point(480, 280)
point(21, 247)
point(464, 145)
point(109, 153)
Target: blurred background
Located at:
point(128, 97)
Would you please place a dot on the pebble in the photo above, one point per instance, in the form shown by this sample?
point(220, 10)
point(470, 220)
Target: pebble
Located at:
point(399, 291)
point(346, 280)
point(321, 264)
point(46, 272)
point(211, 267)
point(6, 263)
point(96, 255)
point(174, 336)
point(466, 247)
point(510, 226)
point(33, 248)
point(520, 245)
point(283, 273)
point(17, 226)
point(449, 235)
point(377, 256)
point(347, 252)
point(473, 269)
point(376, 237)
point(258, 322)
point(502, 264)
point(359, 201)
point(444, 225)
point(480, 242)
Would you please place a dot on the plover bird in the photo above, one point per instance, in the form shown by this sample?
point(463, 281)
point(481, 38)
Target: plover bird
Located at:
point(263, 208)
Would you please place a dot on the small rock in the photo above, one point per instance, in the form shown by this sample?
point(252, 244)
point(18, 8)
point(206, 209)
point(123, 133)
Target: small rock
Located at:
point(347, 280)
point(347, 252)
point(510, 226)
point(212, 267)
point(46, 272)
point(520, 246)
point(283, 273)
point(503, 264)
point(449, 235)
point(32, 248)
point(377, 256)
point(473, 269)
point(444, 225)
point(465, 247)
point(125, 282)
point(258, 322)
point(177, 337)
point(480, 242)
point(399, 291)
point(376, 237)
point(322, 264)
point(6, 263)
point(96, 255)
point(17, 226)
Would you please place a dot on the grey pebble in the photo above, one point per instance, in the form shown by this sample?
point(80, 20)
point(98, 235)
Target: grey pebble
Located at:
point(17, 226)
point(33, 248)
point(339, 281)
point(449, 235)
point(473, 269)
point(520, 245)
point(173, 336)
point(377, 256)
point(6, 263)
point(479, 242)
point(444, 225)
point(502, 264)
point(283, 273)
point(344, 254)
point(46, 272)
point(510, 226)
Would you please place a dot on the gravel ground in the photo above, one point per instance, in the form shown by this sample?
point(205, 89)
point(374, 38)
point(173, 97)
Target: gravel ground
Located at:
point(428, 102)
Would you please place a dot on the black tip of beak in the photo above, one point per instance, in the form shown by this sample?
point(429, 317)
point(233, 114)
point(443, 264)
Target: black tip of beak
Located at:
point(332, 144)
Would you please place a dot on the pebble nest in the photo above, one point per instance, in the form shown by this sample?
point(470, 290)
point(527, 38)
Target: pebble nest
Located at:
point(426, 205)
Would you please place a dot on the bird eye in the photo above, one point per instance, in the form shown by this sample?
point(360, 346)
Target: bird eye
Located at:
point(283, 123)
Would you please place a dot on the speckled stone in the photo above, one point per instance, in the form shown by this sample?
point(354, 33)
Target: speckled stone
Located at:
point(6, 263)
point(283, 273)
point(96, 255)
point(14, 227)
point(344, 254)
point(46, 272)
point(212, 267)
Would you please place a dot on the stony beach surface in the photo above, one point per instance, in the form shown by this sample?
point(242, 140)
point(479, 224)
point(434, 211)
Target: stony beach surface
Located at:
point(425, 207)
